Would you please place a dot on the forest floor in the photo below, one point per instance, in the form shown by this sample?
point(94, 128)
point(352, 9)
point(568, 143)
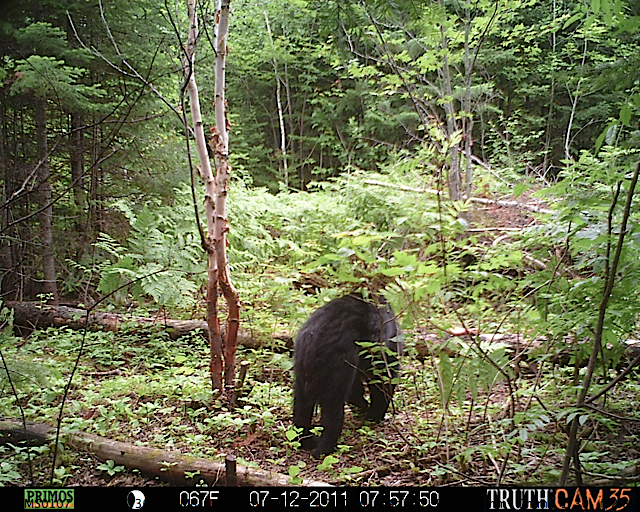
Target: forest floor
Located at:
point(447, 452)
point(480, 441)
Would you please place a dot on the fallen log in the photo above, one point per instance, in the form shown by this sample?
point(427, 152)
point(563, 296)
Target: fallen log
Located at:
point(481, 200)
point(35, 315)
point(169, 466)
point(428, 344)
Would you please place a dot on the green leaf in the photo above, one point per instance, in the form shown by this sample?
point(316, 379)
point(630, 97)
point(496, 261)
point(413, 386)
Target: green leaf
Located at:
point(361, 240)
point(292, 433)
point(394, 271)
point(625, 114)
point(572, 20)
point(328, 463)
point(519, 189)
point(345, 252)
point(294, 471)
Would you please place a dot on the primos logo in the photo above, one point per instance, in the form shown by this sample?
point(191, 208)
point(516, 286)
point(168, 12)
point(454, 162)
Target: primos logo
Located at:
point(48, 498)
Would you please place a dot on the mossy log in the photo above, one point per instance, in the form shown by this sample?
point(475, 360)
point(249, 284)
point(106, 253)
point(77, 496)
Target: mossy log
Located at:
point(35, 315)
point(169, 466)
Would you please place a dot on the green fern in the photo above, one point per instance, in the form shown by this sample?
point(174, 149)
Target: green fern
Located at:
point(162, 259)
point(25, 373)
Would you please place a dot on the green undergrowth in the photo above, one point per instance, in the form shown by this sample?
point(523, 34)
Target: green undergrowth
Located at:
point(469, 409)
point(145, 388)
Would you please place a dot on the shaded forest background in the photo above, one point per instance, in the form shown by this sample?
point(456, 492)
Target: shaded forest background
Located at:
point(359, 133)
point(523, 85)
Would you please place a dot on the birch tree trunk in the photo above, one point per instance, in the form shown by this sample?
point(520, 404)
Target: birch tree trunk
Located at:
point(575, 98)
point(216, 189)
point(283, 139)
point(223, 170)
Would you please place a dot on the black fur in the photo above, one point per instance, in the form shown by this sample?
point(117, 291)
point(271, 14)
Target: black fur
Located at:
point(331, 366)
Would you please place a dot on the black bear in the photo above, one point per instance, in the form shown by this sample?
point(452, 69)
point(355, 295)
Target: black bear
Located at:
point(331, 365)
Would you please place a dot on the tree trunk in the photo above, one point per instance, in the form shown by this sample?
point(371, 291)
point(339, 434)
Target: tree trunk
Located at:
point(76, 161)
point(216, 190)
point(7, 270)
point(215, 338)
point(46, 215)
point(455, 176)
point(222, 187)
point(546, 162)
point(15, 206)
point(467, 120)
point(574, 104)
point(93, 202)
point(283, 138)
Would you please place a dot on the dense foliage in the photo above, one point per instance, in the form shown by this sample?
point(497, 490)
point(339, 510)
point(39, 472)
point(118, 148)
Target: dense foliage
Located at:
point(315, 90)
point(361, 134)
